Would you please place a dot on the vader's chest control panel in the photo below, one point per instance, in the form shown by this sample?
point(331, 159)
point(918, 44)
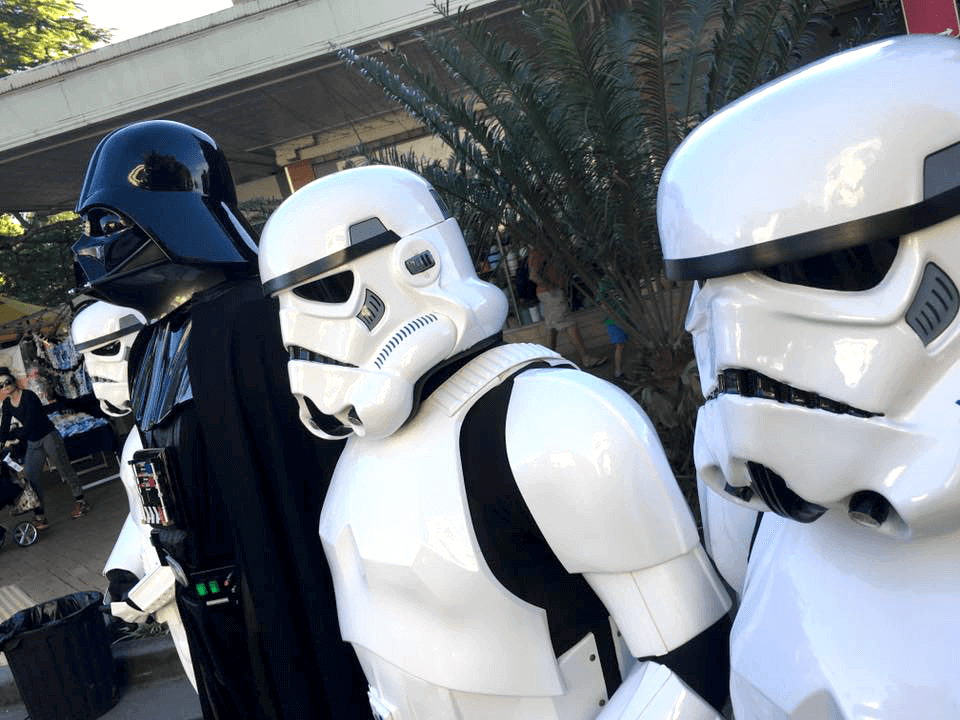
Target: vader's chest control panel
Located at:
point(155, 487)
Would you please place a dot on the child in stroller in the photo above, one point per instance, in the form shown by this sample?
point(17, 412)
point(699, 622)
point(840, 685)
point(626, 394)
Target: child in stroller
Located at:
point(20, 498)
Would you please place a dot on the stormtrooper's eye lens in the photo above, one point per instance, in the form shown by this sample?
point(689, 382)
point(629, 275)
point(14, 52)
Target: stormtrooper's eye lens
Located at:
point(111, 349)
point(333, 289)
point(852, 269)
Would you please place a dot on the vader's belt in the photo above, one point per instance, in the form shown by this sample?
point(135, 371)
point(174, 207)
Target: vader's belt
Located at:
point(212, 587)
point(218, 586)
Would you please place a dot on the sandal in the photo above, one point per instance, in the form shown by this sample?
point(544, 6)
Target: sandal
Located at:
point(594, 362)
point(80, 508)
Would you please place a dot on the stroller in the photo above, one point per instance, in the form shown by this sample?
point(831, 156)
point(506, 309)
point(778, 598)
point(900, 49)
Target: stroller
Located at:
point(20, 497)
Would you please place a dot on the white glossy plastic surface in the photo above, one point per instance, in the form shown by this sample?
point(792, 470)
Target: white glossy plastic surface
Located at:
point(133, 551)
point(727, 534)
point(838, 622)
point(127, 553)
point(654, 692)
point(408, 572)
point(853, 348)
point(599, 486)
point(105, 332)
point(437, 635)
point(428, 314)
point(136, 540)
point(415, 699)
point(864, 119)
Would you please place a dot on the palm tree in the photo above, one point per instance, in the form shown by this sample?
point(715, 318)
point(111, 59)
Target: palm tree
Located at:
point(562, 139)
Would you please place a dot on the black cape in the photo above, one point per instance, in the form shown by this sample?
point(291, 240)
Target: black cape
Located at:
point(272, 476)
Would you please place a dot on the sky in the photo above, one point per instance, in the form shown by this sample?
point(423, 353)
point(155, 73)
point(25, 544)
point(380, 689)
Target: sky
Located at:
point(129, 18)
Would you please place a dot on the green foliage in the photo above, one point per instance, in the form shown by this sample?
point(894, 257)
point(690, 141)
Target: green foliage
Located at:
point(37, 263)
point(257, 211)
point(562, 139)
point(39, 31)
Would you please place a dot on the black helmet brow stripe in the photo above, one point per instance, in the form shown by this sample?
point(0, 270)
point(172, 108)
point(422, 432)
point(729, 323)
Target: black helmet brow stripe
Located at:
point(127, 328)
point(328, 263)
point(890, 224)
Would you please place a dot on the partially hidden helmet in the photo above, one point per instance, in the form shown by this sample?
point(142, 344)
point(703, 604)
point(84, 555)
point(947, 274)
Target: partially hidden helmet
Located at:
point(819, 215)
point(160, 218)
point(376, 290)
point(104, 333)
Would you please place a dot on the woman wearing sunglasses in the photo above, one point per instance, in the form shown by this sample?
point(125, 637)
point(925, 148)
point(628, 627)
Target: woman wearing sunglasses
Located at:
point(43, 441)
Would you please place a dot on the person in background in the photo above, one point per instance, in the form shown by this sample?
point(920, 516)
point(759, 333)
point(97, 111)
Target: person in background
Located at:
point(556, 309)
point(609, 297)
point(43, 441)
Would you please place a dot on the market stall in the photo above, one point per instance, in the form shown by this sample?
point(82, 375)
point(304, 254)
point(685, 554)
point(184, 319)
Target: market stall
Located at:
point(38, 349)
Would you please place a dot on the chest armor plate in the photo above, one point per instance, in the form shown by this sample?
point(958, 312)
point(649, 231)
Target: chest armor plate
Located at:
point(839, 621)
point(412, 587)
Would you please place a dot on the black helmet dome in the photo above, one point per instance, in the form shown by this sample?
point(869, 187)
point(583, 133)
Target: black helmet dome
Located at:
point(161, 218)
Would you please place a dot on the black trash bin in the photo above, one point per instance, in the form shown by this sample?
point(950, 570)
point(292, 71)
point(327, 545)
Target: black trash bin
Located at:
point(59, 654)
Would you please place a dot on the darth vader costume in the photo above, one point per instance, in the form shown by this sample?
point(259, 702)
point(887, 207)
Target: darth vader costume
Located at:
point(221, 473)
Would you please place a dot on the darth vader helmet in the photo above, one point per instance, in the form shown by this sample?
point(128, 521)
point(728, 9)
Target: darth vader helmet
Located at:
point(820, 215)
point(160, 218)
point(376, 289)
point(104, 333)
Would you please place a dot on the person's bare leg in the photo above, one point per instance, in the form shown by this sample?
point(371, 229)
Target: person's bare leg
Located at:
point(586, 360)
point(618, 360)
point(552, 341)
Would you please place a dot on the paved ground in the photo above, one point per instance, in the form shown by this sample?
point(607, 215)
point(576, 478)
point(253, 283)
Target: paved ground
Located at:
point(70, 555)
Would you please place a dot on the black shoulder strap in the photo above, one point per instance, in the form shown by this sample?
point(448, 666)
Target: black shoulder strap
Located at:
point(512, 544)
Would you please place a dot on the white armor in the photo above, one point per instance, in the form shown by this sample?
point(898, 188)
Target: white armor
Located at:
point(133, 551)
point(104, 333)
point(820, 214)
point(409, 574)
point(847, 352)
point(857, 624)
point(437, 632)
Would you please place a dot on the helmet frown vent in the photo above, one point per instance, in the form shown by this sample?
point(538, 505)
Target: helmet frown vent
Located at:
point(402, 334)
point(773, 490)
point(935, 305)
point(372, 310)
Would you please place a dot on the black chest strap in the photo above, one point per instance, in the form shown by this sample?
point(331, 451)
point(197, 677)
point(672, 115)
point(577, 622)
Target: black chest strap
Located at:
point(512, 544)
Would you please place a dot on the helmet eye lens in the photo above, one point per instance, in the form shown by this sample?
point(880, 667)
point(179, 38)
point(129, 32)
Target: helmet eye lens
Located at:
point(851, 270)
point(111, 223)
point(334, 289)
point(100, 223)
point(107, 350)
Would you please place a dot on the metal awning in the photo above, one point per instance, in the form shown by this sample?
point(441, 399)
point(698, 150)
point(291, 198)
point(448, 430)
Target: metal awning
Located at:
point(259, 77)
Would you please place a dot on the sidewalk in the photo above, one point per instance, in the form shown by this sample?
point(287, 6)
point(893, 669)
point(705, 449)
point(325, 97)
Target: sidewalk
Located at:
point(69, 557)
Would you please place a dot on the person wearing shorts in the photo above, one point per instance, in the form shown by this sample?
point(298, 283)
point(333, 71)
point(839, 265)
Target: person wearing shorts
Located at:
point(610, 298)
point(556, 308)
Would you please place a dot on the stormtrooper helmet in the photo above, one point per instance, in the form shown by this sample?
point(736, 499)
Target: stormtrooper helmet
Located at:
point(104, 333)
point(377, 292)
point(820, 217)
point(160, 218)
